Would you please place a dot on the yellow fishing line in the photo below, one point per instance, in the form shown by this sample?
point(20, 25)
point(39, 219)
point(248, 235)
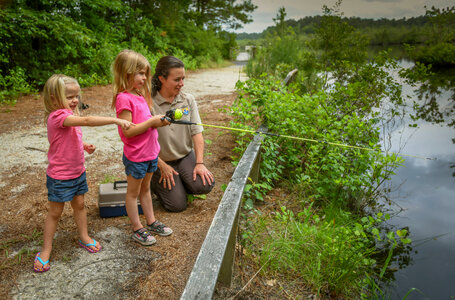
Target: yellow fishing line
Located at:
point(314, 141)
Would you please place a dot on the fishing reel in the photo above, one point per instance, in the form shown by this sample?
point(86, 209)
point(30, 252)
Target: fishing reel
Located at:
point(173, 115)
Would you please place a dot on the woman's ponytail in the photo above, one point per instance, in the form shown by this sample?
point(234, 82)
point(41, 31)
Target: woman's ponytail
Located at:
point(156, 84)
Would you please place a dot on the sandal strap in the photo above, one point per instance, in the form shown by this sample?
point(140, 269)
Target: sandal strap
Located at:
point(88, 244)
point(41, 261)
point(158, 225)
point(143, 232)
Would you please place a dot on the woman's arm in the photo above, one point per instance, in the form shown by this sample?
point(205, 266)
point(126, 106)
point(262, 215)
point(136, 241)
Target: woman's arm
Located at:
point(198, 142)
point(200, 169)
point(140, 128)
point(95, 121)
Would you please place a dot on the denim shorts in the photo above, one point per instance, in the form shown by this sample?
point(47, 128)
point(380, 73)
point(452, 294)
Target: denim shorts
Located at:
point(65, 190)
point(139, 169)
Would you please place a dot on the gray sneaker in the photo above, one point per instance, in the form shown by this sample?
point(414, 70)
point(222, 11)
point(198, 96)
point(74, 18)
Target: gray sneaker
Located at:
point(143, 237)
point(159, 228)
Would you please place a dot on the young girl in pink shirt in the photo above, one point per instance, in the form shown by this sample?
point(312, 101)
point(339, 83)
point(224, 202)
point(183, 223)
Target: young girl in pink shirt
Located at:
point(66, 179)
point(133, 102)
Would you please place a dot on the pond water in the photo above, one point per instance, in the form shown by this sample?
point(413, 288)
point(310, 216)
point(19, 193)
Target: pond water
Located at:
point(425, 191)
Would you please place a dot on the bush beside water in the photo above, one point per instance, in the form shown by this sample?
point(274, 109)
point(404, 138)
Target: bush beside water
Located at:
point(331, 228)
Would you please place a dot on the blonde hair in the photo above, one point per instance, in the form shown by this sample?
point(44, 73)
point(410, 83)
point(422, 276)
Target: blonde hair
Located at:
point(54, 94)
point(125, 66)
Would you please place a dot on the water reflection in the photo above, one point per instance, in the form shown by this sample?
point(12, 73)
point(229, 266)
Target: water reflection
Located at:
point(437, 97)
point(427, 197)
point(426, 191)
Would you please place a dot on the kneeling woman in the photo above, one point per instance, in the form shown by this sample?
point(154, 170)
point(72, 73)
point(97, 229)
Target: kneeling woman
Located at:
point(181, 168)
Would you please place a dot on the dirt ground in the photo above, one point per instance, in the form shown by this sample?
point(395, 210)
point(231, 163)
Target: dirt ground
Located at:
point(123, 269)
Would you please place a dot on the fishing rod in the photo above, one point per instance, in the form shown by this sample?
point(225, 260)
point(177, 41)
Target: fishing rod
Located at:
point(174, 115)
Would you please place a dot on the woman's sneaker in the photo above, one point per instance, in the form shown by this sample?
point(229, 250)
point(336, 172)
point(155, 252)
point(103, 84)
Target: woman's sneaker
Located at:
point(143, 237)
point(159, 228)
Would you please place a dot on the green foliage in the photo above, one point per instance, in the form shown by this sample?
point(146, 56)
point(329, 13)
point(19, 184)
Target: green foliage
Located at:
point(327, 173)
point(395, 35)
point(40, 38)
point(335, 47)
point(442, 21)
point(190, 198)
point(332, 256)
point(439, 48)
point(338, 41)
point(280, 24)
point(379, 31)
point(14, 85)
point(216, 13)
point(279, 55)
point(109, 178)
point(439, 54)
point(15, 251)
point(337, 97)
point(254, 191)
point(431, 84)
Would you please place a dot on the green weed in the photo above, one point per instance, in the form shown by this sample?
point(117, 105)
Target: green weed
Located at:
point(190, 197)
point(108, 178)
point(24, 252)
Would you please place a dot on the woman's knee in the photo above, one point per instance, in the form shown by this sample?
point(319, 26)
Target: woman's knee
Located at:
point(175, 206)
point(199, 188)
point(173, 200)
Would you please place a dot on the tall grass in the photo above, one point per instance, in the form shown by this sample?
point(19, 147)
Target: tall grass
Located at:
point(330, 257)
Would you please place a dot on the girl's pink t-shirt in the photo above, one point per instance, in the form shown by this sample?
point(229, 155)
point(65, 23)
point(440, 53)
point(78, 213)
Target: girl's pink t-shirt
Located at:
point(66, 150)
point(142, 147)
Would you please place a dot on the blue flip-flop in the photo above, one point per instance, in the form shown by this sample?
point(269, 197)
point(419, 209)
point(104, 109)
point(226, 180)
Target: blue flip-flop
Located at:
point(42, 269)
point(87, 246)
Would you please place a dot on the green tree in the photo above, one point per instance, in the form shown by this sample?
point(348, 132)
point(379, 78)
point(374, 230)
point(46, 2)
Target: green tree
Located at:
point(442, 21)
point(218, 13)
point(280, 23)
point(439, 49)
point(338, 41)
point(81, 37)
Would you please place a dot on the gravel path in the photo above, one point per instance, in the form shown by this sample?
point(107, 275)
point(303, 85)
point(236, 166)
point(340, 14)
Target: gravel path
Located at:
point(29, 148)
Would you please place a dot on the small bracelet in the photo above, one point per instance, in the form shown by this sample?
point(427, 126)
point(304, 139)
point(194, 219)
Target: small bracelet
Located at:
point(199, 163)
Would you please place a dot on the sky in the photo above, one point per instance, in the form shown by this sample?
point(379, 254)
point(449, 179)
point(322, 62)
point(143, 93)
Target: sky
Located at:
point(376, 9)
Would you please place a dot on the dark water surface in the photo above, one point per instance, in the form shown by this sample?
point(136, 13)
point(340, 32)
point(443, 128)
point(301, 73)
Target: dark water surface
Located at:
point(426, 193)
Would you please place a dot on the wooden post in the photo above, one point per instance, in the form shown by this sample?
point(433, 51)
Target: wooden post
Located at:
point(227, 265)
point(290, 77)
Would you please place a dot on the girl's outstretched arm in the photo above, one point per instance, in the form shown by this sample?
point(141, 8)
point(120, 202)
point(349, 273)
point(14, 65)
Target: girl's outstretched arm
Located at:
point(96, 121)
point(140, 128)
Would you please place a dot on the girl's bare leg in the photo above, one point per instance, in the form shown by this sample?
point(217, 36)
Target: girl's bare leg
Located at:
point(132, 192)
point(146, 199)
point(80, 216)
point(50, 226)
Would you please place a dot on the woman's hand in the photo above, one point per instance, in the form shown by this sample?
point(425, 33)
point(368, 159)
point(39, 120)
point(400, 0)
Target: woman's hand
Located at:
point(124, 123)
point(167, 175)
point(206, 175)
